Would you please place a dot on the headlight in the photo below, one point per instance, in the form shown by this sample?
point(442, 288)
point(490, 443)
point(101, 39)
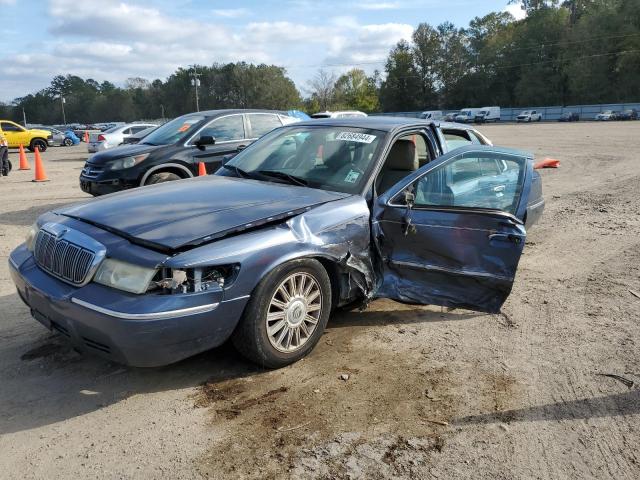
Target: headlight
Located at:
point(30, 241)
point(126, 162)
point(124, 276)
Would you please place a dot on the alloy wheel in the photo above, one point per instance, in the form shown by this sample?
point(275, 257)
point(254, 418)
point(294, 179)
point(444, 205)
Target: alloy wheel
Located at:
point(294, 312)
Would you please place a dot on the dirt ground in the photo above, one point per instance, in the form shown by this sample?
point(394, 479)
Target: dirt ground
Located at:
point(429, 394)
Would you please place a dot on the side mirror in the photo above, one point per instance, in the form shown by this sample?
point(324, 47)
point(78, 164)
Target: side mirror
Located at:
point(227, 157)
point(204, 141)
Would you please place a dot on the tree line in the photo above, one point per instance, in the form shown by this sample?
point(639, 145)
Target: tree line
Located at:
point(561, 53)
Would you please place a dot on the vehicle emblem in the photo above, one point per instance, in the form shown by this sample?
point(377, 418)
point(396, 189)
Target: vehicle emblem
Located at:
point(61, 233)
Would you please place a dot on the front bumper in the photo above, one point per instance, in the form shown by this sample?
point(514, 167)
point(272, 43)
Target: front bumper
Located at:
point(96, 187)
point(136, 330)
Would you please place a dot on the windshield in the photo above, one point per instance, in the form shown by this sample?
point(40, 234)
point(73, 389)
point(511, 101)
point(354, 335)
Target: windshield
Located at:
point(174, 130)
point(526, 112)
point(329, 158)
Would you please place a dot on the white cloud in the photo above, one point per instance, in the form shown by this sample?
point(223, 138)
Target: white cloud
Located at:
point(230, 12)
point(121, 39)
point(516, 10)
point(7, 2)
point(379, 5)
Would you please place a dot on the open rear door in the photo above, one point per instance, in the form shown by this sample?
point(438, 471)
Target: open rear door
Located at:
point(452, 233)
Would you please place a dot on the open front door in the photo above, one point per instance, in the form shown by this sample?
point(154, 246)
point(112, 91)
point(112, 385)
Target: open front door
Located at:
point(452, 233)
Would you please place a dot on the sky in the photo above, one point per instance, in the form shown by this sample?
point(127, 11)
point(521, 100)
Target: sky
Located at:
point(117, 39)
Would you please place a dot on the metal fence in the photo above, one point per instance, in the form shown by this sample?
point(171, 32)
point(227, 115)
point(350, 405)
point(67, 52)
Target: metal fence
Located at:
point(586, 112)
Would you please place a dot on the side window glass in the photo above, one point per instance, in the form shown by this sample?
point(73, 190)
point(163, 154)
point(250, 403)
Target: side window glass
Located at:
point(9, 127)
point(262, 123)
point(474, 180)
point(225, 129)
point(456, 138)
point(127, 131)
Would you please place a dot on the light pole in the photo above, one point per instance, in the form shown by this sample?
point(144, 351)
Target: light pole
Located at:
point(195, 81)
point(162, 111)
point(64, 118)
point(24, 118)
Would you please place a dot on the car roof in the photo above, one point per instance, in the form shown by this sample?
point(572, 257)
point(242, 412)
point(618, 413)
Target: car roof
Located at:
point(228, 111)
point(380, 122)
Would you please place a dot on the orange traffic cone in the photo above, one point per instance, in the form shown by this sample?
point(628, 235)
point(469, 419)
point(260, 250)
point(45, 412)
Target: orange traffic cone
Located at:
point(547, 163)
point(202, 171)
point(24, 164)
point(41, 175)
point(85, 137)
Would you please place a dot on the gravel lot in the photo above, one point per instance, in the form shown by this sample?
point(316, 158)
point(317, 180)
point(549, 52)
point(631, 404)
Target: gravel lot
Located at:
point(429, 393)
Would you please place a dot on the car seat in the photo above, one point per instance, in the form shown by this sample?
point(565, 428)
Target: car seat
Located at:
point(401, 161)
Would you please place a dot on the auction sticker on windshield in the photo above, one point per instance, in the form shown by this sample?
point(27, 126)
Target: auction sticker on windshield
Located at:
point(355, 137)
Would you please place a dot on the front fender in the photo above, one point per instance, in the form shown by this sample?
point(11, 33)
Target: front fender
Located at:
point(337, 231)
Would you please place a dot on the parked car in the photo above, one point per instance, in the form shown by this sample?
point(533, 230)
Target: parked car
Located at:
point(175, 149)
point(60, 138)
point(629, 114)
point(607, 115)
point(137, 137)
point(467, 115)
point(432, 115)
point(340, 114)
point(488, 114)
point(529, 116)
point(451, 116)
point(17, 135)
point(569, 117)
point(265, 249)
point(114, 136)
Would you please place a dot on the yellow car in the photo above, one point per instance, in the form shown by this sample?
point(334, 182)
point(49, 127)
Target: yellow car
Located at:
point(17, 135)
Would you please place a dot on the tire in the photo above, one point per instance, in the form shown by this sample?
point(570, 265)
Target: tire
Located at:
point(276, 349)
point(38, 142)
point(67, 142)
point(162, 177)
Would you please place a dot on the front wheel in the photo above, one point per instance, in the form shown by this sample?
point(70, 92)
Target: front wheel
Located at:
point(286, 315)
point(161, 177)
point(39, 144)
point(67, 142)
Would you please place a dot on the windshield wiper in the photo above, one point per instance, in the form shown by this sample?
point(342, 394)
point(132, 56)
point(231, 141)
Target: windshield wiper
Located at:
point(241, 173)
point(285, 176)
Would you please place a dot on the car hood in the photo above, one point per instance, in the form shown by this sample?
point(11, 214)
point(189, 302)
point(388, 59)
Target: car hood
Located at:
point(185, 213)
point(122, 151)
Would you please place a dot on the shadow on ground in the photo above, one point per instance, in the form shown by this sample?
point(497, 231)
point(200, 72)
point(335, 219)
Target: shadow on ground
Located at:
point(28, 216)
point(45, 381)
point(625, 403)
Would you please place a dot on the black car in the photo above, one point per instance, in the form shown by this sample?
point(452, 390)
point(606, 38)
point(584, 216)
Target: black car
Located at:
point(174, 150)
point(629, 114)
point(569, 117)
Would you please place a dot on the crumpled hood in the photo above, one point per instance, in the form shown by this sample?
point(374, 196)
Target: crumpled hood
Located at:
point(178, 214)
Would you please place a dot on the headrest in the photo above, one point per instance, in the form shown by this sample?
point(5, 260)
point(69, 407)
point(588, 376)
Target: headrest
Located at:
point(402, 156)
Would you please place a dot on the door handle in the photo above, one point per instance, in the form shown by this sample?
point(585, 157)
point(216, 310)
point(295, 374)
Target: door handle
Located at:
point(499, 188)
point(505, 237)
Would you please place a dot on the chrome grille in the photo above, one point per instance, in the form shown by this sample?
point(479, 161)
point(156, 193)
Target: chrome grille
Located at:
point(62, 258)
point(91, 171)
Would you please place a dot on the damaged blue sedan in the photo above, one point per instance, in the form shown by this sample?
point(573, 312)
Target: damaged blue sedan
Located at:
point(311, 217)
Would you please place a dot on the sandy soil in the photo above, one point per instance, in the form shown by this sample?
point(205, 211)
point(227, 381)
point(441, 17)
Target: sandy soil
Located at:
point(430, 394)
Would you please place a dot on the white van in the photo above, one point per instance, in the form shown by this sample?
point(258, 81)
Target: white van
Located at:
point(432, 115)
point(488, 114)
